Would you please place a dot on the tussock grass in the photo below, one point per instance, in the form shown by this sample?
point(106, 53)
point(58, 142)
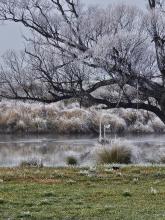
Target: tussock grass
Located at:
point(115, 154)
point(71, 119)
point(31, 163)
point(162, 159)
point(127, 193)
point(2, 201)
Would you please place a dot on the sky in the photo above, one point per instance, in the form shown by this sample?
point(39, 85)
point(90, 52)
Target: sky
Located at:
point(11, 34)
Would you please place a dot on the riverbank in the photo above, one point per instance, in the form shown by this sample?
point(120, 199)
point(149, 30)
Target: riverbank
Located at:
point(130, 193)
point(62, 118)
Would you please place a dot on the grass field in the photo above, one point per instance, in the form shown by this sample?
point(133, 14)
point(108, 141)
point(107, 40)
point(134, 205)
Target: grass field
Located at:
point(130, 193)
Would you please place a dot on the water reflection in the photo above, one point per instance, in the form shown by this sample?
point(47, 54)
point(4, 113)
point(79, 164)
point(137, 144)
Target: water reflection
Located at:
point(53, 150)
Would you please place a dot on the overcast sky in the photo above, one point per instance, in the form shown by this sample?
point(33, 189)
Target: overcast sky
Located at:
point(10, 34)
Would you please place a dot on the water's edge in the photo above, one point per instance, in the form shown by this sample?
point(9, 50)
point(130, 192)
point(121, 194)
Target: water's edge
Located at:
point(53, 149)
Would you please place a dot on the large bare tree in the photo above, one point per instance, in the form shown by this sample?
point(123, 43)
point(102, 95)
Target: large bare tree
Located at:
point(113, 56)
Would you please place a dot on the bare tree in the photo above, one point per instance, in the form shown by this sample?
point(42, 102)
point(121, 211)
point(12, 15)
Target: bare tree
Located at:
point(101, 56)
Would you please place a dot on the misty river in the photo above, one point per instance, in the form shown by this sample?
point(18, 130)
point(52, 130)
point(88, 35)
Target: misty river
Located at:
point(52, 150)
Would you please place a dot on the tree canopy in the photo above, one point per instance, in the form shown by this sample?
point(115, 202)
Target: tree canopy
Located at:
point(113, 56)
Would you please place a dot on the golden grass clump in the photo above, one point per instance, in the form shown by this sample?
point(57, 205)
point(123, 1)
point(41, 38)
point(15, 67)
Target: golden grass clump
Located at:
point(115, 154)
point(31, 163)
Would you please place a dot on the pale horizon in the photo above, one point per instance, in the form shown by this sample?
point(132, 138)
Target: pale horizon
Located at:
point(11, 34)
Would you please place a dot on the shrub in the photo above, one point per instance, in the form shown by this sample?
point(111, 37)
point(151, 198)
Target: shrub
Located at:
point(162, 159)
point(48, 194)
point(157, 125)
point(127, 193)
point(116, 154)
point(141, 128)
point(31, 163)
point(2, 201)
point(71, 119)
point(71, 160)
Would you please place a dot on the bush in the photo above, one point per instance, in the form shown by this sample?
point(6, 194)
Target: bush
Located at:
point(71, 160)
point(2, 201)
point(31, 163)
point(116, 154)
point(70, 119)
point(127, 193)
point(162, 159)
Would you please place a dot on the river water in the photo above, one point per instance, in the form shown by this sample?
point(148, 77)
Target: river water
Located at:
point(53, 150)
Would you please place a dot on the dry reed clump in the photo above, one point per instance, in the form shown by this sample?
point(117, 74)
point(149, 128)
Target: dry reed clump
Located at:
point(70, 126)
point(162, 159)
point(133, 116)
point(73, 113)
point(118, 124)
point(62, 119)
point(119, 154)
point(94, 121)
point(21, 125)
point(39, 124)
point(72, 121)
point(8, 119)
point(130, 117)
point(31, 163)
point(157, 125)
point(139, 127)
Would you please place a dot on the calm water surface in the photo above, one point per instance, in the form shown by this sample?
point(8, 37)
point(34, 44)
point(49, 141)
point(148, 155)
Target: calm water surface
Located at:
point(53, 150)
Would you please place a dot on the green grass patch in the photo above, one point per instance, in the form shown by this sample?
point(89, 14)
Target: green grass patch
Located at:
point(130, 193)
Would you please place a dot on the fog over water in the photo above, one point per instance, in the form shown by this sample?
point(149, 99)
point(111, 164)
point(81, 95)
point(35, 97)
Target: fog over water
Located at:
point(53, 150)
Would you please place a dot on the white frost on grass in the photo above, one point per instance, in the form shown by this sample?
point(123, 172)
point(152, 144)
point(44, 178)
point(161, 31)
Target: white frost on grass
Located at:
point(69, 118)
